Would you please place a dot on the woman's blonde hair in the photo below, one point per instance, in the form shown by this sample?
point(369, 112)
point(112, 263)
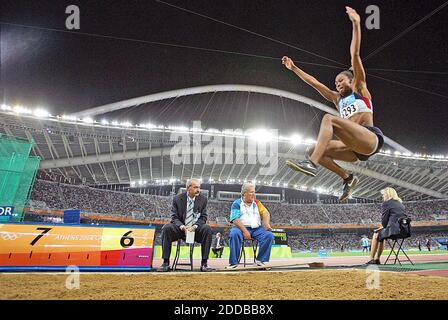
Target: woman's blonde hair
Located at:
point(390, 193)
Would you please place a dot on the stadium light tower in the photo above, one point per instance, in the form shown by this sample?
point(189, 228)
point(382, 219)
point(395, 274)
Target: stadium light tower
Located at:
point(261, 135)
point(296, 139)
point(21, 110)
point(41, 113)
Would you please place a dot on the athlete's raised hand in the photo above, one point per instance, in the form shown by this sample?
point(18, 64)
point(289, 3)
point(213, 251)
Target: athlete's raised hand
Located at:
point(353, 15)
point(287, 62)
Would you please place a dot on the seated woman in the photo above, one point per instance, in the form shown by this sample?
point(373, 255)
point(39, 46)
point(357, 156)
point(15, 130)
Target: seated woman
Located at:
point(392, 211)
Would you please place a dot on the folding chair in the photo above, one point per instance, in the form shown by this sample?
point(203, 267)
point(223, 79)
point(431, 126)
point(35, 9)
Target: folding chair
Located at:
point(176, 258)
point(254, 244)
point(405, 232)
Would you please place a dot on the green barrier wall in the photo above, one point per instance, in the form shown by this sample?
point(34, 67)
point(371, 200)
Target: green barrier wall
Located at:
point(17, 174)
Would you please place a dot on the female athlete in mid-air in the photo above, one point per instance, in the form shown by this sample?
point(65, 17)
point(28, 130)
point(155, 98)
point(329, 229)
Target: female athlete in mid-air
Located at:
point(358, 138)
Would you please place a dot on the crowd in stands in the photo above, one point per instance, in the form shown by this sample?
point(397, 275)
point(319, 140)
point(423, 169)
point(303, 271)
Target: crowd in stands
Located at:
point(119, 203)
point(87, 199)
point(347, 242)
point(53, 195)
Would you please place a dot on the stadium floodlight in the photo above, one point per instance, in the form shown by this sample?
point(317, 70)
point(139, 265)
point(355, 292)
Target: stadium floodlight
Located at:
point(321, 190)
point(87, 120)
point(277, 184)
point(285, 185)
point(178, 128)
point(261, 135)
point(115, 123)
point(211, 180)
point(126, 124)
point(5, 107)
point(148, 126)
point(387, 152)
point(69, 118)
point(41, 113)
point(397, 153)
point(21, 110)
point(296, 139)
point(105, 122)
point(309, 141)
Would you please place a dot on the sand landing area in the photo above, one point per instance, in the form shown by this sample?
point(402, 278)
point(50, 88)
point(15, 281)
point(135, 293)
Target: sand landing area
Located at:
point(257, 285)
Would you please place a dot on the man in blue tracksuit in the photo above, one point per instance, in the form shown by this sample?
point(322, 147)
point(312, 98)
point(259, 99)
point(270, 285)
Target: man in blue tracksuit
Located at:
point(251, 220)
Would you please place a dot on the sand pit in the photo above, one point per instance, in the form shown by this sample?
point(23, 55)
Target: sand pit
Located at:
point(316, 284)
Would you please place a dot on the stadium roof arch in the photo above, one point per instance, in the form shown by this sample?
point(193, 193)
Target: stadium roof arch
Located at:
point(215, 88)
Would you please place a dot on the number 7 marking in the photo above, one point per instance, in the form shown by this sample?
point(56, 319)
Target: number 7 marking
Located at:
point(45, 230)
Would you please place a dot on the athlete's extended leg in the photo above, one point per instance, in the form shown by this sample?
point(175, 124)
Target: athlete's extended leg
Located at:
point(336, 150)
point(356, 137)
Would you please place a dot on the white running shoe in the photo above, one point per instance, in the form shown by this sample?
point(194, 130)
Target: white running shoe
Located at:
point(259, 264)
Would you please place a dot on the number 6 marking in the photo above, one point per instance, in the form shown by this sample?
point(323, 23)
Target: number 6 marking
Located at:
point(125, 237)
point(45, 230)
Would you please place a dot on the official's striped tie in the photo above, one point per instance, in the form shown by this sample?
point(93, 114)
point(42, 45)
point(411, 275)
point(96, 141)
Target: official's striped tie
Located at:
point(189, 218)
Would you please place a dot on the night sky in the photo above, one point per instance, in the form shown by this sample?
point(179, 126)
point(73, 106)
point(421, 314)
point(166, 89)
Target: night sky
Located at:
point(68, 72)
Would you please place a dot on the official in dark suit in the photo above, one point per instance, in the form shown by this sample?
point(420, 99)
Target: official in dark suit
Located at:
point(392, 211)
point(189, 213)
point(218, 245)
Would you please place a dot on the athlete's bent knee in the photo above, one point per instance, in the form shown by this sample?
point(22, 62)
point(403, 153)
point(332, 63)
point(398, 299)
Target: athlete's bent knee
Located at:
point(328, 118)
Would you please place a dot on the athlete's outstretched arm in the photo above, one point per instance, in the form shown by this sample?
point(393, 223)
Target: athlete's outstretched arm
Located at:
point(359, 75)
point(325, 92)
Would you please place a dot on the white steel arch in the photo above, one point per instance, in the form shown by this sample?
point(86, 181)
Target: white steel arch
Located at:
point(216, 88)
